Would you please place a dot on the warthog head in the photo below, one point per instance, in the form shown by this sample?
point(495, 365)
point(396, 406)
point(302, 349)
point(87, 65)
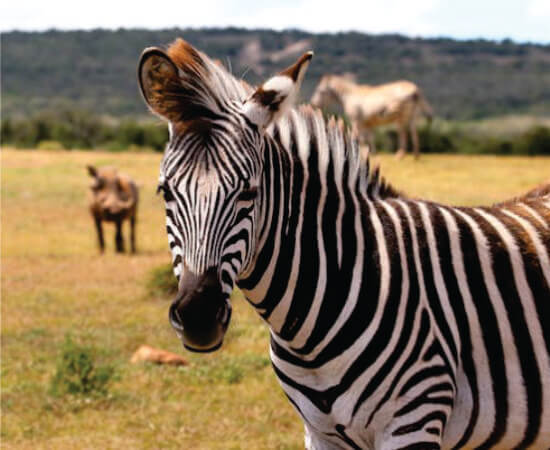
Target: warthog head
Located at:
point(112, 194)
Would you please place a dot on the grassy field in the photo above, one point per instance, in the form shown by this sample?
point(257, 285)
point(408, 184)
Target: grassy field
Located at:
point(55, 283)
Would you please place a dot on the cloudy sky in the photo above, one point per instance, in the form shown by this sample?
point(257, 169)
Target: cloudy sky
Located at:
point(521, 20)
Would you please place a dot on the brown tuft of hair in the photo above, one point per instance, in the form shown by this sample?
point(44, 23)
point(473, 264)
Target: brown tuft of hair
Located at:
point(184, 54)
point(540, 191)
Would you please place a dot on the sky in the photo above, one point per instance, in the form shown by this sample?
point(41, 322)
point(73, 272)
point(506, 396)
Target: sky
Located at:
point(519, 20)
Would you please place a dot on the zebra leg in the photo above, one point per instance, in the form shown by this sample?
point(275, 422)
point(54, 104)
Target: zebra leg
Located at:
point(402, 150)
point(99, 229)
point(119, 241)
point(414, 139)
point(369, 138)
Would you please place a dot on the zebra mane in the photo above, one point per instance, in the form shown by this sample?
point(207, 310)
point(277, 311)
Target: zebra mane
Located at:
point(214, 89)
point(335, 143)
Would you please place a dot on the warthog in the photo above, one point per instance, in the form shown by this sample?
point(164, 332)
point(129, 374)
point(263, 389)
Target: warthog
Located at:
point(114, 198)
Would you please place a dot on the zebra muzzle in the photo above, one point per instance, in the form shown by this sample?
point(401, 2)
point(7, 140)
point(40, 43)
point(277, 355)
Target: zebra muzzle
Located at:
point(201, 312)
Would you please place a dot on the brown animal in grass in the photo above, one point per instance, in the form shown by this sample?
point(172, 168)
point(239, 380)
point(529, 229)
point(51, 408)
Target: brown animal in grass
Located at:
point(114, 198)
point(146, 353)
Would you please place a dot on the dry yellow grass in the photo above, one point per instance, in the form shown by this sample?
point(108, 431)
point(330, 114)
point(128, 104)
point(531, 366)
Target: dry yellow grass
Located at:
point(54, 283)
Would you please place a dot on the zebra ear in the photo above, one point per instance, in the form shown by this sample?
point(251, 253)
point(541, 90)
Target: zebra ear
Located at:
point(158, 80)
point(173, 83)
point(277, 94)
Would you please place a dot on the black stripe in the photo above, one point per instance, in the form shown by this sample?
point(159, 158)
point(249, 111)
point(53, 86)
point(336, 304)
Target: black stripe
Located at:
point(489, 329)
point(504, 276)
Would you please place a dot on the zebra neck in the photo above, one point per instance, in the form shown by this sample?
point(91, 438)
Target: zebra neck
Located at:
point(311, 244)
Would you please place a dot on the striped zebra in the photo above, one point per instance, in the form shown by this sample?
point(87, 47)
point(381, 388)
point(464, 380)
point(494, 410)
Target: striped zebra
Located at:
point(395, 323)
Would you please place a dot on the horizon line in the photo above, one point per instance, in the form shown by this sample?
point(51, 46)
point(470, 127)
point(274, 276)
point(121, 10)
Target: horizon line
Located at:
point(501, 40)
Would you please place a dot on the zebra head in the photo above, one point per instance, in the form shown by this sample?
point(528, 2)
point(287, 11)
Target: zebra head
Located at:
point(328, 93)
point(211, 176)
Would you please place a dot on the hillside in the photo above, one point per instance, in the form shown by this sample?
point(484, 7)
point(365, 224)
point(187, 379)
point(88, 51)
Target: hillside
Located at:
point(95, 70)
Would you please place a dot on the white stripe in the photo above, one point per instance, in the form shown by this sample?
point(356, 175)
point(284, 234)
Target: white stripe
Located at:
point(311, 319)
point(517, 400)
point(535, 214)
point(277, 318)
point(534, 324)
point(439, 281)
point(424, 301)
point(485, 422)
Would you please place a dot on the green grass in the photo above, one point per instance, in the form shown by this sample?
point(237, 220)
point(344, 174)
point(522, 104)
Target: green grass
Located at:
point(55, 283)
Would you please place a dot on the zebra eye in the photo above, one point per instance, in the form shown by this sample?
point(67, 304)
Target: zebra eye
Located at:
point(248, 194)
point(166, 193)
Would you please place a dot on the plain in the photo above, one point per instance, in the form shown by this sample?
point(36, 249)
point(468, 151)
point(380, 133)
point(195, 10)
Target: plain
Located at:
point(55, 283)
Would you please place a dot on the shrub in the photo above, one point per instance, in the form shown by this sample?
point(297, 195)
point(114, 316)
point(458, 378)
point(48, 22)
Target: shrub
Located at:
point(50, 145)
point(435, 141)
point(82, 130)
point(162, 282)
point(78, 373)
point(535, 141)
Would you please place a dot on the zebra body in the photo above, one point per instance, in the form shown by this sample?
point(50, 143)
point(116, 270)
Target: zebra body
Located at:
point(427, 293)
point(395, 323)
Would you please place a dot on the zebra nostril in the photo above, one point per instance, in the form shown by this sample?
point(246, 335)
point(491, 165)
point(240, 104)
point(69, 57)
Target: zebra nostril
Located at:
point(175, 319)
point(224, 313)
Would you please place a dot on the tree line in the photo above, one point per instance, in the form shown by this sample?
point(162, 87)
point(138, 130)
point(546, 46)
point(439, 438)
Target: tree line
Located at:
point(96, 70)
point(76, 129)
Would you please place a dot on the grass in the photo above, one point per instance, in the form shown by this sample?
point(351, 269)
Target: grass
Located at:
point(54, 283)
point(162, 282)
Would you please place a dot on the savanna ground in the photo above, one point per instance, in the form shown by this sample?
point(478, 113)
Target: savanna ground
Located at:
point(55, 283)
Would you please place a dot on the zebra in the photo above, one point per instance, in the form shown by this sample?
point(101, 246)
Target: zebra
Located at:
point(368, 106)
point(395, 323)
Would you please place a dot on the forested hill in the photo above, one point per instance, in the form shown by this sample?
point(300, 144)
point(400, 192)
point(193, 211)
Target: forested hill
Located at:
point(96, 70)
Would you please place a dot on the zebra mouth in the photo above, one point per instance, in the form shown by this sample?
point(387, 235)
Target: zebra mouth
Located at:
point(203, 350)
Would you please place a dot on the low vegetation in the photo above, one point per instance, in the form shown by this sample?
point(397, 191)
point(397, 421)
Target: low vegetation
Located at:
point(78, 372)
point(161, 282)
point(70, 129)
point(514, 135)
point(55, 283)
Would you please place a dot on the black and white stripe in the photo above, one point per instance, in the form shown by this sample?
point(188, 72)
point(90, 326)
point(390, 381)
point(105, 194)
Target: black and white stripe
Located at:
point(395, 323)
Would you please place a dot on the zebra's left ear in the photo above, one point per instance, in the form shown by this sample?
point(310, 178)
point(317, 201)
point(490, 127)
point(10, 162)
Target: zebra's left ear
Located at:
point(277, 94)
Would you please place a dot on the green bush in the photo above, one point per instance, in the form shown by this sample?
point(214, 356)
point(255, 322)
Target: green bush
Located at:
point(161, 282)
point(50, 145)
point(536, 141)
point(78, 373)
point(82, 130)
point(435, 141)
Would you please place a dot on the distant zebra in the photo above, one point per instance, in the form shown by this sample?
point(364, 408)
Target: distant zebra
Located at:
point(369, 106)
point(395, 323)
